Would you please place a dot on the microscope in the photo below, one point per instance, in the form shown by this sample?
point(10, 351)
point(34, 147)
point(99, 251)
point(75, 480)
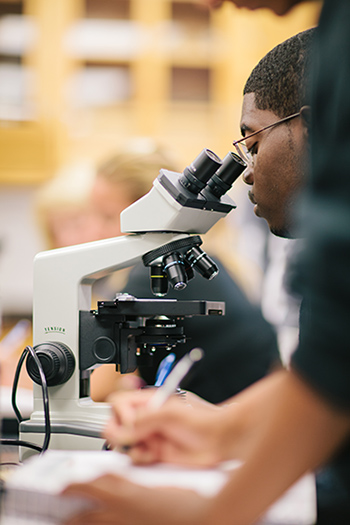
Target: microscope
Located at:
point(70, 339)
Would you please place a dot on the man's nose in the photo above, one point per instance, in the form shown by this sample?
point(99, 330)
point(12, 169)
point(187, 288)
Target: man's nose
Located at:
point(248, 175)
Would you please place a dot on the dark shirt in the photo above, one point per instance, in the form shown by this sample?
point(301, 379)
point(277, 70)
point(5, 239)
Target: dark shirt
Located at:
point(323, 355)
point(240, 347)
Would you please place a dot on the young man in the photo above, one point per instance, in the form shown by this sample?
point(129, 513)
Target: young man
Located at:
point(275, 97)
point(274, 426)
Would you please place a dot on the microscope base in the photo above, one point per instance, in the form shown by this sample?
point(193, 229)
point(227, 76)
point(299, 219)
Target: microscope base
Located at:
point(64, 436)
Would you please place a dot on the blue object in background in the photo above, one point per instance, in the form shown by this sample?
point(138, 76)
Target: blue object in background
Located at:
point(164, 369)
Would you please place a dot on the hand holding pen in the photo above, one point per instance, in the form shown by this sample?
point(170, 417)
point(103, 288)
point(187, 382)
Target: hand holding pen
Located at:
point(126, 406)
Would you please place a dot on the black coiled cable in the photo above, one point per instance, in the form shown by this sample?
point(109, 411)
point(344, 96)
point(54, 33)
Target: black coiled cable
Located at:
point(18, 442)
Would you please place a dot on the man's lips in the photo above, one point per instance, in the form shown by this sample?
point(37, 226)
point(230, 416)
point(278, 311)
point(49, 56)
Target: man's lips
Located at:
point(251, 197)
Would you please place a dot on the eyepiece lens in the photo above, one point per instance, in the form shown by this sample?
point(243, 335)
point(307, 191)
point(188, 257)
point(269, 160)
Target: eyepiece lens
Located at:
point(197, 174)
point(231, 168)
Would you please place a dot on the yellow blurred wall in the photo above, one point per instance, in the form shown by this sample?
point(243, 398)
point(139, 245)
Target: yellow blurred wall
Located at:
point(225, 49)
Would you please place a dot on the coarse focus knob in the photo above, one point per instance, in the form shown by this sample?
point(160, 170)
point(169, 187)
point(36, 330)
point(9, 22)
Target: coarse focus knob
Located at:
point(57, 360)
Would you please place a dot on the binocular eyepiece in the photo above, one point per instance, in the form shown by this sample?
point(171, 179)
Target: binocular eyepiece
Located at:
point(211, 173)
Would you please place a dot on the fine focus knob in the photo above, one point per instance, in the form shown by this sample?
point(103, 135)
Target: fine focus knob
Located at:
point(57, 361)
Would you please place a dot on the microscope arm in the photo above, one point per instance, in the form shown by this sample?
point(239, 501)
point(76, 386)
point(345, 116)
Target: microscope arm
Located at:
point(62, 287)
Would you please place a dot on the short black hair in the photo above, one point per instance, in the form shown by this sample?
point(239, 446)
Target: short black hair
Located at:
point(281, 78)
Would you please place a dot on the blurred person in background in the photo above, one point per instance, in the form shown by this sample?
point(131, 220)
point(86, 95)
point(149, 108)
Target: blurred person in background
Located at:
point(62, 207)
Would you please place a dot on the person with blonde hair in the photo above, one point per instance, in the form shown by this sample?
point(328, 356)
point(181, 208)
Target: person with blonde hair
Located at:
point(62, 206)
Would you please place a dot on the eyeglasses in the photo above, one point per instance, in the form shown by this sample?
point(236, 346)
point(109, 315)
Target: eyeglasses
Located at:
point(246, 154)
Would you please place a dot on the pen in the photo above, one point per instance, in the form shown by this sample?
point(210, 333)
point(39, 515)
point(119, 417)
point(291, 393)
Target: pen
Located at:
point(164, 369)
point(175, 377)
point(171, 383)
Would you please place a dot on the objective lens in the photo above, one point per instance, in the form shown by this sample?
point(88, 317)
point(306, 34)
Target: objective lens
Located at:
point(196, 175)
point(231, 168)
point(202, 263)
point(159, 280)
point(175, 270)
point(188, 269)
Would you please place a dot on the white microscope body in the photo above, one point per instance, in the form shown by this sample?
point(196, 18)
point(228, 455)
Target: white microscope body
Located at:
point(169, 213)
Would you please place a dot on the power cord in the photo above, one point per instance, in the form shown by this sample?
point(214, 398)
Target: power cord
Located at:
point(18, 442)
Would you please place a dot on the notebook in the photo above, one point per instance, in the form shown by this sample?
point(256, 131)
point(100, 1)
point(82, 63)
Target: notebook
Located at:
point(33, 490)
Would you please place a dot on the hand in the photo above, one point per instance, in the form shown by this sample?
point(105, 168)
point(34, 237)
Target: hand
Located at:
point(176, 433)
point(120, 502)
point(105, 381)
point(279, 7)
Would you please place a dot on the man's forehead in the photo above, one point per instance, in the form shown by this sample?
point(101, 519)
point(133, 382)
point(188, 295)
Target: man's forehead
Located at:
point(253, 118)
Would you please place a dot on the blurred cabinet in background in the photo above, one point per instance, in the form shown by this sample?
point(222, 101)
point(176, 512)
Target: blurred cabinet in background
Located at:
point(31, 81)
point(78, 77)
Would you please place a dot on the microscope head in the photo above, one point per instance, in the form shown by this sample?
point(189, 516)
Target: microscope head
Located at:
point(188, 202)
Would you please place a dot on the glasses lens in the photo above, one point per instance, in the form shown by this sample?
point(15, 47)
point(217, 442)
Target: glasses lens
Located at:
point(243, 152)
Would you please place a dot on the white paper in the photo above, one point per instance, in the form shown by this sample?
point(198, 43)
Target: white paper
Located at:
point(33, 490)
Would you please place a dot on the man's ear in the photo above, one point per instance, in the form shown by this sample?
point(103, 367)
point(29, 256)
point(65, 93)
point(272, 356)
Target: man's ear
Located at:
point(305, 114)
